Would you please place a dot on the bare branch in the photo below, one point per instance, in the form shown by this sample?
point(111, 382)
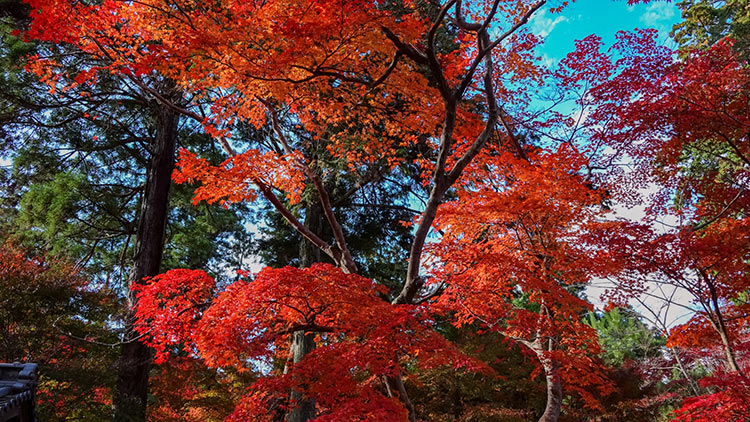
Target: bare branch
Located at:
point(513, 139)
point(492, 117)
point(524, 20)
point(343, 256)
point(435, 25)
point(407, 49)
point(462, 21)
point(488, 47)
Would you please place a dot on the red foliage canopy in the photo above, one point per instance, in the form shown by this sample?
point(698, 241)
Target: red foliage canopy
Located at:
point(362, 337)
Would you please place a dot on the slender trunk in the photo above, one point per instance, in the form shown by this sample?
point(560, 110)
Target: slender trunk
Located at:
point(302, 343)
point(543, 350)
point(131, 390)
point(693, 386)
point(721, 328)
point(729, 351)
point(554, 390)
point(397, 389)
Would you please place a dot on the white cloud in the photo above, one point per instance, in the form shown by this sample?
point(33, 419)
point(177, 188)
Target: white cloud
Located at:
point(548, 61)
point(658, 12)
point(661, 305)
point(544, 23)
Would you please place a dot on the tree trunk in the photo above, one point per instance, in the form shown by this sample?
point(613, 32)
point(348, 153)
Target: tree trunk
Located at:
point(554, 390)
point(303, 344)
point(729, 351)
point(397, 389)
point(693, 386)
point(308, 253)
point(131, 390)
point(721, 327)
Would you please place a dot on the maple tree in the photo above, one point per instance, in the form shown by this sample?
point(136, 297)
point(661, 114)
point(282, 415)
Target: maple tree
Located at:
point(691, 140)
point(306, 86)
point(371, 221)
point(375, 73)
point(729, 403)
point(362, 338)
point(516, 245)
point(682, 125)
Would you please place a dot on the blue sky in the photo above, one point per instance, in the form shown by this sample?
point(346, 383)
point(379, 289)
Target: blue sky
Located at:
point(605, 18)
point(602, 17)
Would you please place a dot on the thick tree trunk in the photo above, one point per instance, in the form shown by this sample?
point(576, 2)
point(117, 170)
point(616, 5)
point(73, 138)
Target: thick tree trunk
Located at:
point(303, 344)
point(131, 390)
point(308, 253)
point(554, 390)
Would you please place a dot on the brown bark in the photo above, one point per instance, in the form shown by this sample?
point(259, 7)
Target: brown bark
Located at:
point(728, 349)
point(131, 390)
point(721, 327)
point(309, 253)
point(396, 388)
point(304, 343)
point(554, 391)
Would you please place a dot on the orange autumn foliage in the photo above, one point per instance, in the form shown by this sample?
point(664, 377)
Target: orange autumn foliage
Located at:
point(523, 216)
point(518, 241)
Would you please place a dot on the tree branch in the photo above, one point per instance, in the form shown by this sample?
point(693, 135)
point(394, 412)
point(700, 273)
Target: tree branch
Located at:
point(344, 257)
